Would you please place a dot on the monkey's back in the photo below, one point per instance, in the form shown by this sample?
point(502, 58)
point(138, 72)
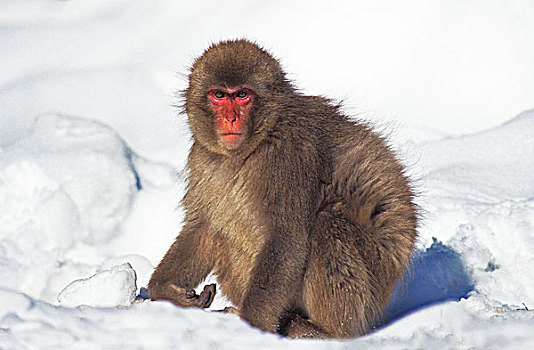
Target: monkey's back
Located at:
point(365, 228)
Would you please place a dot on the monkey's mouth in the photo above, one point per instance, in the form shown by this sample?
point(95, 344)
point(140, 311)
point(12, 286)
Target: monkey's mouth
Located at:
point(232, 140)
point(231, 136)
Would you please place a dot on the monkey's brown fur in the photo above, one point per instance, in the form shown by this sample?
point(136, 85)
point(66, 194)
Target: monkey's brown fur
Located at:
point(307, 225)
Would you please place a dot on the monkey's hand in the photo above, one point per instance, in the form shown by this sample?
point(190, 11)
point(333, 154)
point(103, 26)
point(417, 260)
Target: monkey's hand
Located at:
point(188, 297)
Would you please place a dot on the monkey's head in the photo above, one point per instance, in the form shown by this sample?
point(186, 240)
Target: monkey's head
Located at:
point(231, 95)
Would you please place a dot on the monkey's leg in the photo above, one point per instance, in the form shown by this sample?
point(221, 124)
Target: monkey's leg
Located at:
point(186, 264)
point(339, 295)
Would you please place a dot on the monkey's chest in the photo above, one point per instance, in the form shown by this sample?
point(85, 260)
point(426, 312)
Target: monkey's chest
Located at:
point(236, 217)
point(239, 231)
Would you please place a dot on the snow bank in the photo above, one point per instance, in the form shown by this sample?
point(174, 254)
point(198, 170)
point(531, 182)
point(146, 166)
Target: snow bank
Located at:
point(68, 182)
point(488, 166)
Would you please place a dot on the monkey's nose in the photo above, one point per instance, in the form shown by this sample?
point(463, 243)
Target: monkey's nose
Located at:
point(231, 118)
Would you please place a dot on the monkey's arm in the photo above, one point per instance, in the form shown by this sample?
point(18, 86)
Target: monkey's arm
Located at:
point(186, 264)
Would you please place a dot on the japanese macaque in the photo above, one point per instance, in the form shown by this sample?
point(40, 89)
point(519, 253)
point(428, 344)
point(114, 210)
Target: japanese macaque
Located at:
point(305, 216)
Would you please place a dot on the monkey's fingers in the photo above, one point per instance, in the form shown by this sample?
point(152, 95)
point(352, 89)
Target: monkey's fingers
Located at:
point(184, 297)
point(181, 292)
point(206, 297)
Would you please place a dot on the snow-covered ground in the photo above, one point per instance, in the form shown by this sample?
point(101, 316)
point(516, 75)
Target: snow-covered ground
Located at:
point(91, 150)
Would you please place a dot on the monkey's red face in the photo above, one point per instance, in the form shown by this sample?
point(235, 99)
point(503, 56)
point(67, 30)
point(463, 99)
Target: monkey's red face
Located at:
point(231, 107)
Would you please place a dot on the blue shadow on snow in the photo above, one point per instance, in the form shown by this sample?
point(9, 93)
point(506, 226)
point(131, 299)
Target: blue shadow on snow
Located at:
point(436, 274)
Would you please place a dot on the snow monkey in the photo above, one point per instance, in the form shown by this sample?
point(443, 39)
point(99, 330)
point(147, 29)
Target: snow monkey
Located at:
point(305, 216)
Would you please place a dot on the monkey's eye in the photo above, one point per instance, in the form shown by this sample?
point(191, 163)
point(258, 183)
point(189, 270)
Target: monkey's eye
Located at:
point(243, 97)
point(241, 94)
point(218, 94)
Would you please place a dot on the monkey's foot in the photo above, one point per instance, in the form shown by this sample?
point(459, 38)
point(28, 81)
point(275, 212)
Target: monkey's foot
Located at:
point(232, 310)
point(189, 298)
point(295, 326)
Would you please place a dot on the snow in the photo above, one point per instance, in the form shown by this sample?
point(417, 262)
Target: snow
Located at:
point(91, 153)
point(113, 287)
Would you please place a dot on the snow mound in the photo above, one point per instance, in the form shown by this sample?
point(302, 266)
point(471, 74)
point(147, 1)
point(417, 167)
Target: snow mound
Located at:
point(109, 288)
point(69, 182)
point(496, 161)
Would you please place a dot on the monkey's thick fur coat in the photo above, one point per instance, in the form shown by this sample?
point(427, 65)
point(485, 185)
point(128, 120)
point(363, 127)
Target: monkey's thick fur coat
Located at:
point(307, 225)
